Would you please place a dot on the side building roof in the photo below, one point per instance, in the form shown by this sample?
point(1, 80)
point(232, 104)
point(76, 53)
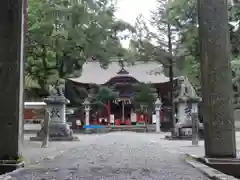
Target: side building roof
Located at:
point(93, 73)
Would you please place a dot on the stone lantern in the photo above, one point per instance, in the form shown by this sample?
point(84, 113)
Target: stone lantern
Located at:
point(158, 106)
point(58, 127)
point(87, 109)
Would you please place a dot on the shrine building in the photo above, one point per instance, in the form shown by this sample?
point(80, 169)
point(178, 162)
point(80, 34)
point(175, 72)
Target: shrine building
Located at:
point(122, 77)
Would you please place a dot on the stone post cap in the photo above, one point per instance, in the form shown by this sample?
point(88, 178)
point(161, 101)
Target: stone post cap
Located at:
point(56, 100)
point(188, 99)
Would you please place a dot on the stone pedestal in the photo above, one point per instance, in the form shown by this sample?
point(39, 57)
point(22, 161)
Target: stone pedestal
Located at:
point(181, 115)
point(184, 125)
point(58, 128)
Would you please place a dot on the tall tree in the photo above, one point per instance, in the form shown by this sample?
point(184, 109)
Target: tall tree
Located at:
point(157, 42)
point(39, 48)
point(165, 35)
point(144, 45)
point(183, 15)
point(62, 35)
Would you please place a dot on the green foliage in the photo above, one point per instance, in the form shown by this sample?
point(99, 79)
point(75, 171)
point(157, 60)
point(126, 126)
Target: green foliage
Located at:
point(100, 95)
point(183, 15)
point(104, 94)
point(77, 95)
point(155, 43)
point(236, 81)
point(142, 46)
point(39, 52)
point(62, 35)
point(11, 160)
point(192, 71)
point(97, 95)
point(30, 83)
point(144, 94)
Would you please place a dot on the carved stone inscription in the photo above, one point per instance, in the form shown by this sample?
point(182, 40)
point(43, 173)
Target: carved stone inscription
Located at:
point(55, 114)
point(216, 79)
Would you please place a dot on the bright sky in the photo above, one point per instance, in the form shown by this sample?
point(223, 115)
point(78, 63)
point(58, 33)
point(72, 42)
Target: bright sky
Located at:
point(128, 10)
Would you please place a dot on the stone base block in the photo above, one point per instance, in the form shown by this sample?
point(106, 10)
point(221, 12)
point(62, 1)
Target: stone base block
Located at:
point(9, 166)
point(98, 131)
point(178, 138)
point(228, 166)
point(181, 137)
point(57, 132)
point(186, 132)
point(211, 173)
point(71, 138)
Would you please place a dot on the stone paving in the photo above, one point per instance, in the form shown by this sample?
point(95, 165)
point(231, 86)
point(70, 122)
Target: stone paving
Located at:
point(112, 156)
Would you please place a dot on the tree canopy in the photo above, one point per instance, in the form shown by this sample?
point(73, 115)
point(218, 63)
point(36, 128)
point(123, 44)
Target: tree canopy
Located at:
point(155, 39)
point(178, 21)
point(62, 35)
point(183, 15)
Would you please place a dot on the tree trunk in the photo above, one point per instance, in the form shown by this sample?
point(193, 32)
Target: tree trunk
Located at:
point(217, 93)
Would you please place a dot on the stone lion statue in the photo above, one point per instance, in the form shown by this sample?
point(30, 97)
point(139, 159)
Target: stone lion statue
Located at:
point(56, 90)
point(186, 89)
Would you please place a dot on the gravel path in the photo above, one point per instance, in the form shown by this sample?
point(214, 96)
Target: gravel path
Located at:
point(114, 156)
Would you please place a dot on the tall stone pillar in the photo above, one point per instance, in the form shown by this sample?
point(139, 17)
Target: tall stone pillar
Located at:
point(219, 128)
point(11, 78)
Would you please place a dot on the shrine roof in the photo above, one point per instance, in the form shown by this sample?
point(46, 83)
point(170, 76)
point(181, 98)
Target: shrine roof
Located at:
point(93, 73)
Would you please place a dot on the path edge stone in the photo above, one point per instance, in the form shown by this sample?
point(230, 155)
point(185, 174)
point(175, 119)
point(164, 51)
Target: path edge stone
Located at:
point(206, 170)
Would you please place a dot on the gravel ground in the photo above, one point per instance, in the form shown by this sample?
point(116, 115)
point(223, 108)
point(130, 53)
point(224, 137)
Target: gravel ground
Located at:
point(114, 156)
point(33, 153)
